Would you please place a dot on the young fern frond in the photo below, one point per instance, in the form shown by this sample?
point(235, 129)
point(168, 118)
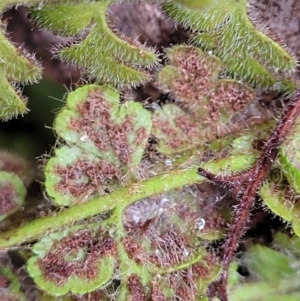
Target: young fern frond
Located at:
point(225, 30)
point(16, 66)
point(106, 57)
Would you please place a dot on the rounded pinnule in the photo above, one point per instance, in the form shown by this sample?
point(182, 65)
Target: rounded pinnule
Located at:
point(78, 260)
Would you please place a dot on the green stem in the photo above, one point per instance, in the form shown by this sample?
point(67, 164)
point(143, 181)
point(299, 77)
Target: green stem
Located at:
point(121, 197)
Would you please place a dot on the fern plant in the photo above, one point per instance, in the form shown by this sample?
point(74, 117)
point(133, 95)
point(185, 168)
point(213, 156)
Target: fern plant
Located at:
point(133, 221)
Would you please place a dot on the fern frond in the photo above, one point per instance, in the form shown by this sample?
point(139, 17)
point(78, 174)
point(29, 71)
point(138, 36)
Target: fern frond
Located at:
point(16, 66)
point(106, 57)
point(105, 141)
point(225, 29)
point(205, 106)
